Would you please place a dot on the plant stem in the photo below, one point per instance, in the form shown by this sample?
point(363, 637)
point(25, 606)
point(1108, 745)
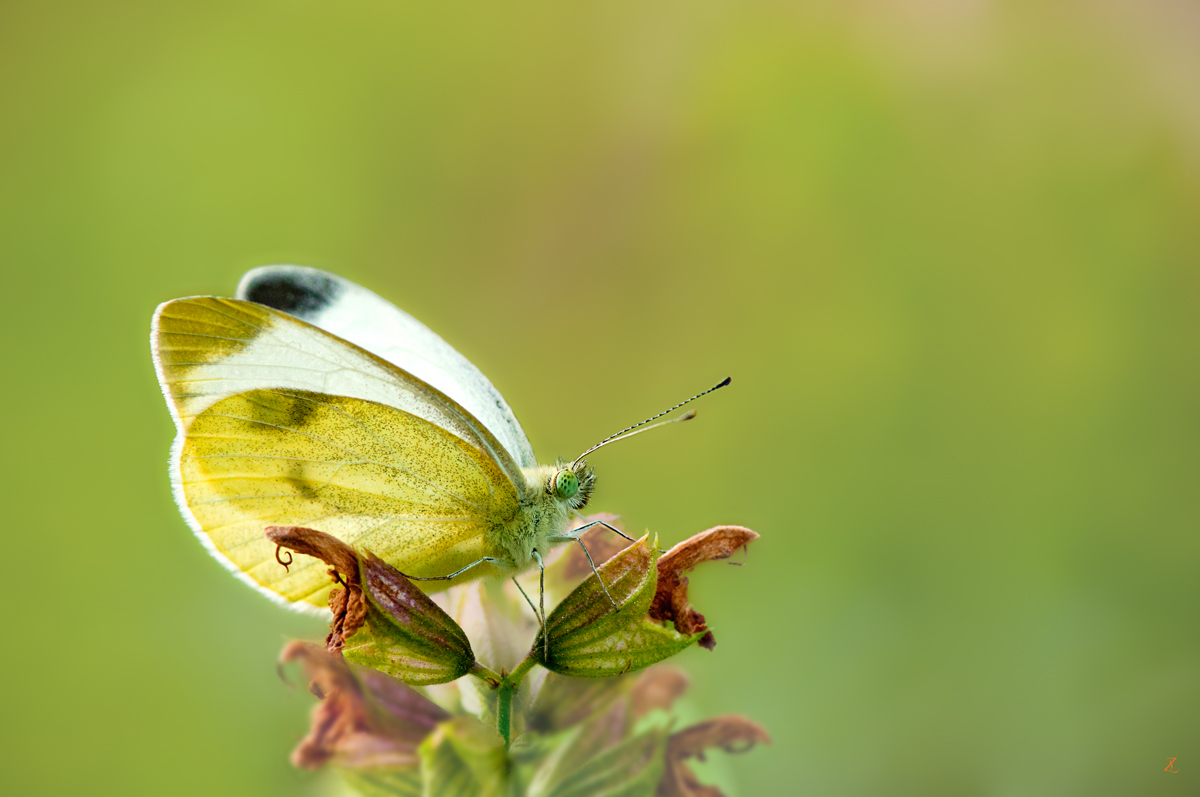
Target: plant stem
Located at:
point(516, 676)
point(504, 697)
point(491, 678)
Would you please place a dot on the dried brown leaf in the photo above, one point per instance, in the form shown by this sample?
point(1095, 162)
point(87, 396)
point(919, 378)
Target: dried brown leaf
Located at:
point(731, 733)
point(670, 598)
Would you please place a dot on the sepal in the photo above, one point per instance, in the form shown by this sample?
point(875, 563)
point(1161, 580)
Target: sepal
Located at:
point(380, 618)
point(587, 636)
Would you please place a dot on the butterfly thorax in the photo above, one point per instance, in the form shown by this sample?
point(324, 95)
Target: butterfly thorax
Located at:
point(551, 494)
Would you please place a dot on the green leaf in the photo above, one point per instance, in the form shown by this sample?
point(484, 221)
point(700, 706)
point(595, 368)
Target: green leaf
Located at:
point(464, 757)
point(630, 769)
point(385, 782)
point(588, 637)
point(405, 633)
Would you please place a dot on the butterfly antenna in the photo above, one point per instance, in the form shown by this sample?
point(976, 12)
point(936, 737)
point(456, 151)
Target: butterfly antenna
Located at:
point(630, 431)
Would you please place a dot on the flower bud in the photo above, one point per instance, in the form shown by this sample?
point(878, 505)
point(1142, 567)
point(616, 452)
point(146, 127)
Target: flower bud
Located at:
point(588, 636)
point(365, 721)
point(380, 619)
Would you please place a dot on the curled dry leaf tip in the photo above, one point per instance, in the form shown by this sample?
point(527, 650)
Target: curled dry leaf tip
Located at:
point(348, 604)
point(670, 596)
point(731, 733)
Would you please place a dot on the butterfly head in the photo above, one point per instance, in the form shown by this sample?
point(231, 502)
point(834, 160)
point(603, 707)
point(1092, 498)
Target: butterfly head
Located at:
point(572, 483)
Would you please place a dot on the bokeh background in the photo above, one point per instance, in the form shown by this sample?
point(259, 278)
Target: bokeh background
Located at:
point(948, 250)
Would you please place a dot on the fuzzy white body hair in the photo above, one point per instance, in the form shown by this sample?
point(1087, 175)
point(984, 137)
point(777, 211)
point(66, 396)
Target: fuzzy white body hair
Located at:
point(542, 515)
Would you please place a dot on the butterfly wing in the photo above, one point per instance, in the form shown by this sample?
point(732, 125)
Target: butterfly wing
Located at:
point(209, 351)
point(410, 492)
point(354, 313)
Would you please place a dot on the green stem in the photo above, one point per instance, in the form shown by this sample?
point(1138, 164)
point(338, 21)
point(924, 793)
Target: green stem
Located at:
point(516, 676)
point(505, 690)
point(504, 698)
point(492, 678)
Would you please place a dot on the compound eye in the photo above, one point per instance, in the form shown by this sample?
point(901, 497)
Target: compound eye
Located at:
point(565, 484)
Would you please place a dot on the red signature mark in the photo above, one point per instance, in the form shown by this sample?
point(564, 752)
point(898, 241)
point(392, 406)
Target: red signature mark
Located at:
point(1167, 768)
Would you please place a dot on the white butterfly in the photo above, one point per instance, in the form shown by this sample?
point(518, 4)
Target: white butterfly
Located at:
point(310, 401)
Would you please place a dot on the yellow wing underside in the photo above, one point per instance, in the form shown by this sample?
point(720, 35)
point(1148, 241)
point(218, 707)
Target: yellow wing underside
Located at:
point(374, 476)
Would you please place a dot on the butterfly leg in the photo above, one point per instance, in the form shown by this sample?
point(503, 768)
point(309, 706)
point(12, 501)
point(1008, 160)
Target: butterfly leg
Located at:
point(572, 538)
point(528, 600)
point(540, 616)
point(587, 526)
point(460, 571)
point(614, 529)
point(542, 603)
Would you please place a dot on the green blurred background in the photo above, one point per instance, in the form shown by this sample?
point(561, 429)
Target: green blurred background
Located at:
point(948, 250)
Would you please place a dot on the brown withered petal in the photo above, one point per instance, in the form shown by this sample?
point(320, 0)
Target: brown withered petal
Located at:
point(317, 544)
point(406, 713)
point(365, 720)
point(731, 733)
point(670, 597)
point(657, 687)
point(349, 605)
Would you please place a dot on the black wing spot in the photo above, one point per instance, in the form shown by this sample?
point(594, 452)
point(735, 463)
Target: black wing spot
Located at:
point(299, 294)
point(296, 410)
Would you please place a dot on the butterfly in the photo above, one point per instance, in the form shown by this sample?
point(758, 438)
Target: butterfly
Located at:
point(308, 400)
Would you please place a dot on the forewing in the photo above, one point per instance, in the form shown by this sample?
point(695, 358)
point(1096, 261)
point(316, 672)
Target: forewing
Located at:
point(379, 478)
point(363, 318)
point(206, 349)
